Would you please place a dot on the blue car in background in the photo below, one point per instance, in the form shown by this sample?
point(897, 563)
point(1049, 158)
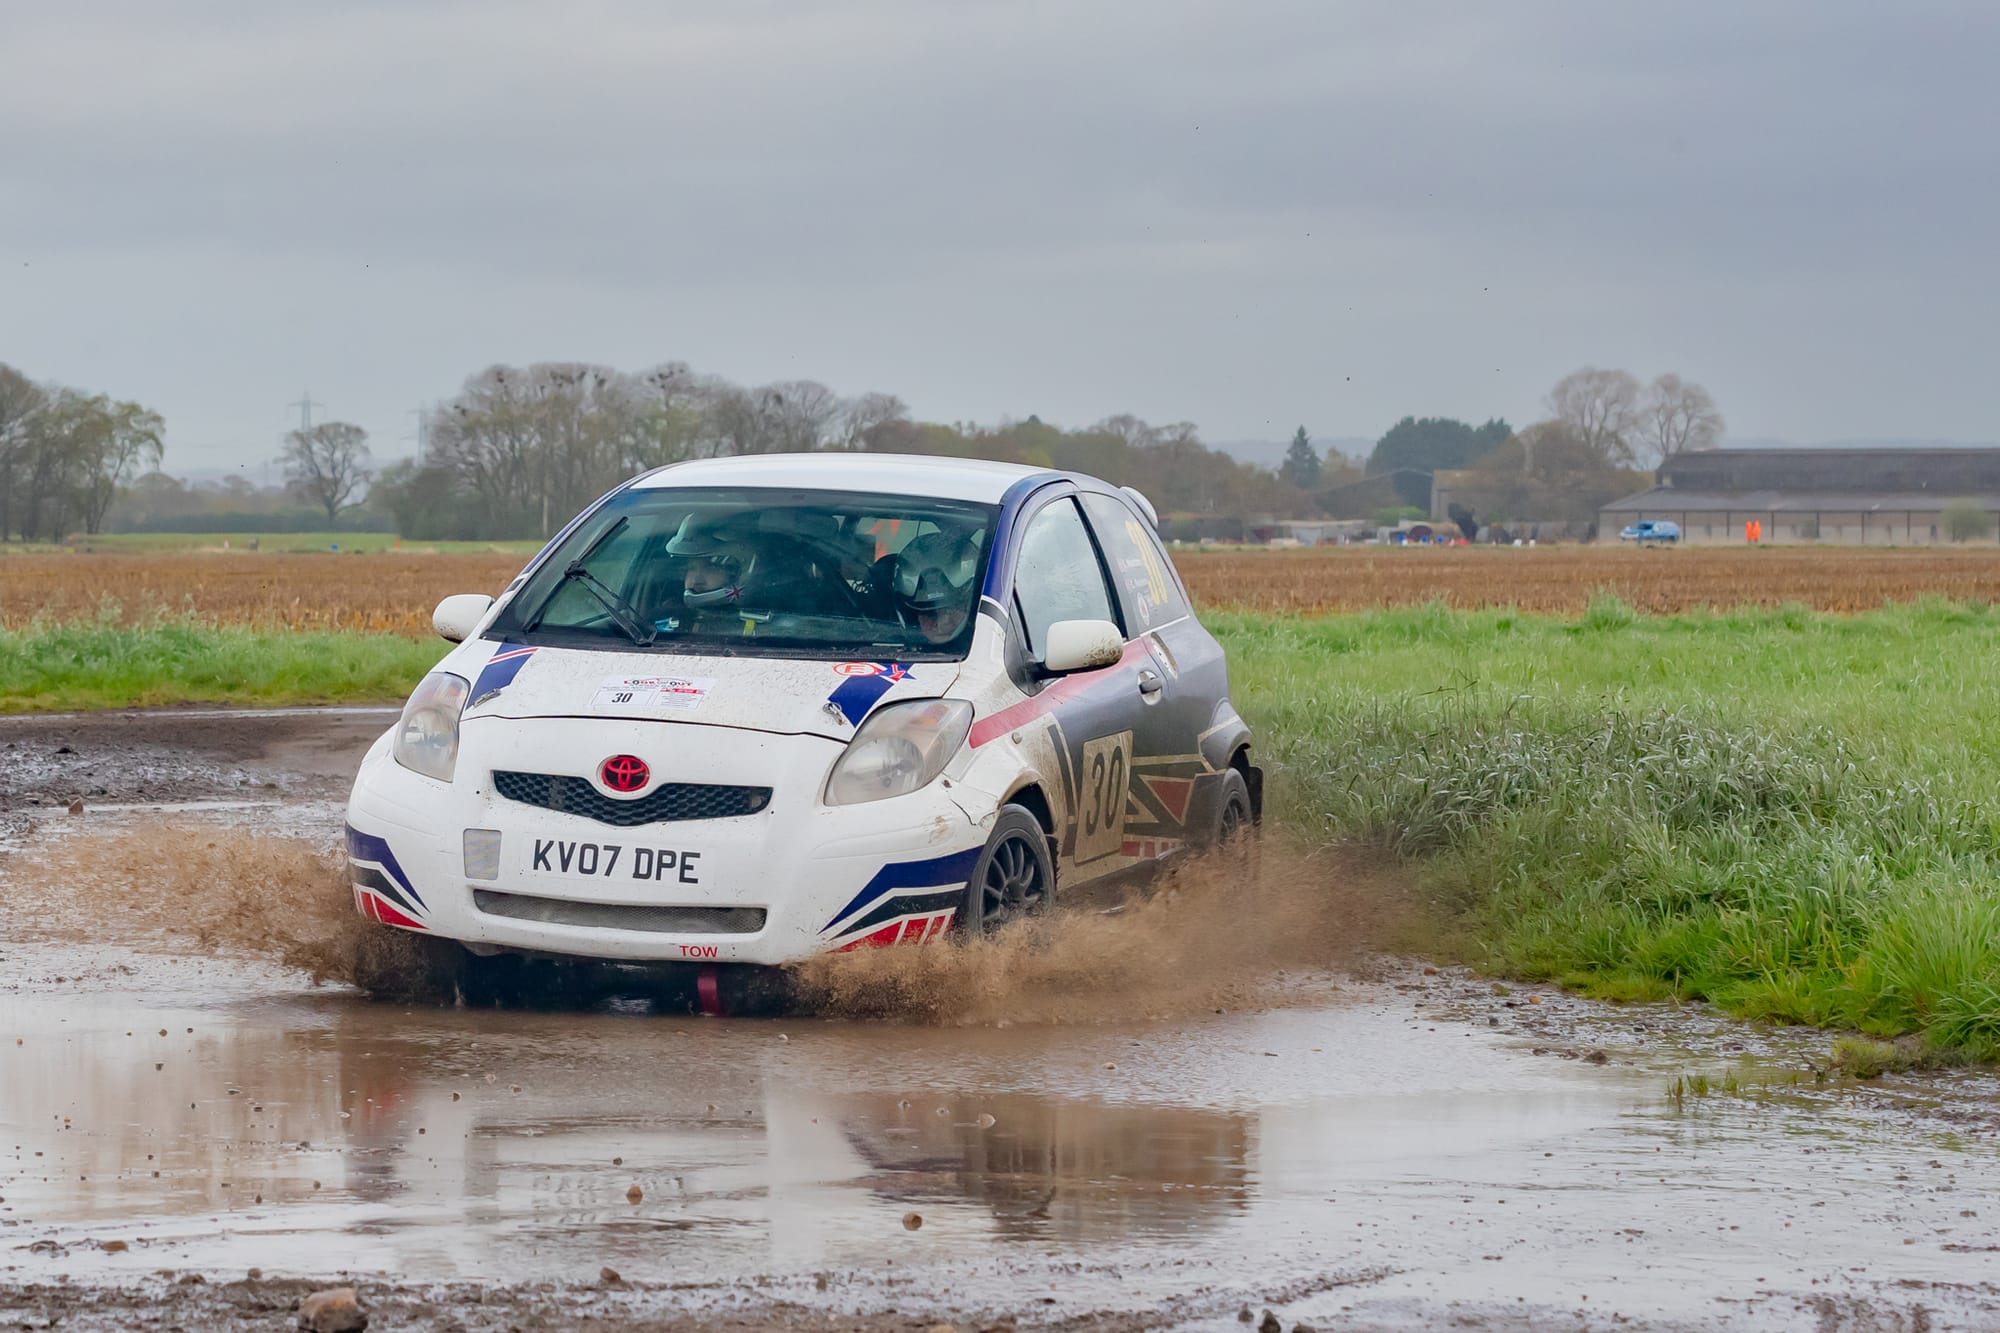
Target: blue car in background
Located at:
point(1651, 530)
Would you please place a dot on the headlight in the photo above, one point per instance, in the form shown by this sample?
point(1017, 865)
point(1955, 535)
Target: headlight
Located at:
point(898, 750)
point(427, 733)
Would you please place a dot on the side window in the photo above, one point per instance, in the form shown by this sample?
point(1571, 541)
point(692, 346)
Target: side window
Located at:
point(1139, 567)
point(1058, 577)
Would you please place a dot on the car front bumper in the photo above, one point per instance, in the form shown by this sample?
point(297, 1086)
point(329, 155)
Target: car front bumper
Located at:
point(795, 879)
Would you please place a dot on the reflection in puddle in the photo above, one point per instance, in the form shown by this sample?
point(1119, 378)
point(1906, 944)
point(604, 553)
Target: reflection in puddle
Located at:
point(1077, 1170)
point(464, 1134)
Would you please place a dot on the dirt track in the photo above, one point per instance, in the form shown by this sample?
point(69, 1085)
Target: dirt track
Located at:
point(1390, 1150)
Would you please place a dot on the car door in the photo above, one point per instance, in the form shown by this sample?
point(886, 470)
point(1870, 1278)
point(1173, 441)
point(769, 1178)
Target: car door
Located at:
point(1097, 716)
point(1181, 685)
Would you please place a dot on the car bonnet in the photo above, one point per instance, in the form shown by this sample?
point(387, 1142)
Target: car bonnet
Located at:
point(789, 696)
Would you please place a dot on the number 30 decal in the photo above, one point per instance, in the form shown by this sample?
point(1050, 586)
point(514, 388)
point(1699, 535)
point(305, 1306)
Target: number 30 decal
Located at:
point(1100, 797)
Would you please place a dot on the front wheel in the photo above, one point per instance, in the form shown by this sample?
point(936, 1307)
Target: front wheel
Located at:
point(1015, 876)
point(391, 964)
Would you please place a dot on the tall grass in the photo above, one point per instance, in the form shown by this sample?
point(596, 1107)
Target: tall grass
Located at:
point(181, 659)
point(1794, 815)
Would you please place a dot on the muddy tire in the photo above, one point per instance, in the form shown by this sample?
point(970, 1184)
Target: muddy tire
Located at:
point(1015, 876)
point(402, 965)
point(1234, 818)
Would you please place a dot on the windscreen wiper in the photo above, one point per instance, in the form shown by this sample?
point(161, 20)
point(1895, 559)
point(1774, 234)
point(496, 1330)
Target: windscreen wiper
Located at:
point(621, 610)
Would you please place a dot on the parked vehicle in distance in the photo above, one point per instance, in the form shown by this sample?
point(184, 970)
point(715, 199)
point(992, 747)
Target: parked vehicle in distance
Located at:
point(1651, 530)
point(744, 711)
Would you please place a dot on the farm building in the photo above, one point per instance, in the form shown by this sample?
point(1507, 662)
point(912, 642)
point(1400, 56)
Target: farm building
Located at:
point(1877, 497)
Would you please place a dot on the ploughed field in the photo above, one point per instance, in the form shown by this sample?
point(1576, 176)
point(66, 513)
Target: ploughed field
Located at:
point(371, 593)
point(393, 592)
point(1563, 579)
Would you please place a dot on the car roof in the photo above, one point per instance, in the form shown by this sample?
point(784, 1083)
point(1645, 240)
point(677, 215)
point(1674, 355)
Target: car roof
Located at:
point(887, 474)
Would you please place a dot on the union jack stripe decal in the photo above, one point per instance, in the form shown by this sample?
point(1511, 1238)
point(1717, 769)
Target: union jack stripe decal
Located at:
point(499, 671)
point(382, 890)
point(904, 902)
point(855, 695)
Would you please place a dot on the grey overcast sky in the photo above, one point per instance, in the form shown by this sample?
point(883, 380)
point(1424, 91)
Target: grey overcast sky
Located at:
point(1248, 214)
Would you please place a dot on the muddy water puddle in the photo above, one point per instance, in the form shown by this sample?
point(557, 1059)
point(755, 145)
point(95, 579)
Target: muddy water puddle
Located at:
point(1388, 1149)
point(220, 1116)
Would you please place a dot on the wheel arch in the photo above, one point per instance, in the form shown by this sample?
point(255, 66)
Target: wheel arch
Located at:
point(1030, 797)
point(1253, 778)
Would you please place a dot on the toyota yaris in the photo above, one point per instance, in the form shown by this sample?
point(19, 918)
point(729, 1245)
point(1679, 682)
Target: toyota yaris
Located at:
point(744, 711)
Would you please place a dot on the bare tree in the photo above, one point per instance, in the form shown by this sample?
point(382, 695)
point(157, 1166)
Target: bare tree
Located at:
point(486, 438)
point(328, 464)
point(1602, 408)
point(732, 424)
point(671, 423)
point(1678, 418)
point(862, 419)
point(53, 470)
point(1129, 429)
point(20, 400)
point(1545, 471)
point(119, 441)
point(798, 415)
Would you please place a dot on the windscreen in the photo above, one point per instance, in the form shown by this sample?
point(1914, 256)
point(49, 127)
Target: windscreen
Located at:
point(763, 572)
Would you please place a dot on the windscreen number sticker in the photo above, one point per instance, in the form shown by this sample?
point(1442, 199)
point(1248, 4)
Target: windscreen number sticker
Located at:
point(674, 693)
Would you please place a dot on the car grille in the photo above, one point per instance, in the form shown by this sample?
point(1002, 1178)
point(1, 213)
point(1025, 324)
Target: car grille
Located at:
point(668, 801)
point(621, 916)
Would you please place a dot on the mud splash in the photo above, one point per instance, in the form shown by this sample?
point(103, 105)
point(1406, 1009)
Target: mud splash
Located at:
point(272, 896)
point(1254, 929)
point(1250, 929)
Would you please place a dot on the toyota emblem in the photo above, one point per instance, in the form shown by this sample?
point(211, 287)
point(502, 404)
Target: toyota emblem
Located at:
point(624, 772)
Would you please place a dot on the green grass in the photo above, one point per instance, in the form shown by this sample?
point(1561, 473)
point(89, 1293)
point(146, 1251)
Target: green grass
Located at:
point(1796, 816)
point(142, 542)
point(58, 668)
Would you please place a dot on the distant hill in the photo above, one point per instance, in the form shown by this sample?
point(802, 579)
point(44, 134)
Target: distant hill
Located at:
point(1271, 453)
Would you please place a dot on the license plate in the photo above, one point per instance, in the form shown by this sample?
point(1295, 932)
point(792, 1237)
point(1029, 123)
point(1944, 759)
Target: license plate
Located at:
point(615, 860)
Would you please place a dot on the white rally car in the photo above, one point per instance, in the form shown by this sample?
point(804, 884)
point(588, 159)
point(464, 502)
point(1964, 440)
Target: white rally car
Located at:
point(743, 711)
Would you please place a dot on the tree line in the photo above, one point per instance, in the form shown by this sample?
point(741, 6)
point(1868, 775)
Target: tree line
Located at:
point(520, 449)
point(65, 454)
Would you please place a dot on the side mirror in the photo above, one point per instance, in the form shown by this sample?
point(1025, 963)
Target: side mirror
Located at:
point(1081, 645)
point(457, 616)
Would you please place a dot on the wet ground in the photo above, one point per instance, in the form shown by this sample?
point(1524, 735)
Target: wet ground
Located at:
point(194, 1135)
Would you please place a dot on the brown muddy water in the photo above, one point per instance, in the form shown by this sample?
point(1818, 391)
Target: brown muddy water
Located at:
point(1210, 1102)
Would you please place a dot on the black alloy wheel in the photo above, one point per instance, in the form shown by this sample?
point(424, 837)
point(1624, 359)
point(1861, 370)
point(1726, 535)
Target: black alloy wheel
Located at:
point(1014, 878)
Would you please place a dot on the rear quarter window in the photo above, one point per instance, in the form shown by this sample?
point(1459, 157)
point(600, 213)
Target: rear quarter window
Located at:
point(1145, 581)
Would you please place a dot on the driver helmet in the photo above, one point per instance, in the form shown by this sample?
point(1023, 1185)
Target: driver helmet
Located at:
point(718, 557)
point(936, 571)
